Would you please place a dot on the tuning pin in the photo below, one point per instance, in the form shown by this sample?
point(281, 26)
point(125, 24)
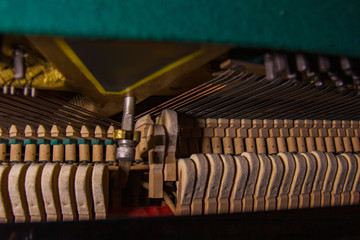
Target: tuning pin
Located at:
point(301, 63)
point(356, 82)
point(19, 63)
point(280, 62)
point(277, 64)
point(356, 79)
point(324, 64)
point(289, 68)
point(5, 89)
point(33, 92)
point(26, 91)
point(317, 80)
point(270, 67)
point(12, 90)
point(346, 65)
point(337, 81)
point(303, 66)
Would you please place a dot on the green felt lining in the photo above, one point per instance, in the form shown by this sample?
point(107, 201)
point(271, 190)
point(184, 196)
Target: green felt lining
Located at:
point(308, 25)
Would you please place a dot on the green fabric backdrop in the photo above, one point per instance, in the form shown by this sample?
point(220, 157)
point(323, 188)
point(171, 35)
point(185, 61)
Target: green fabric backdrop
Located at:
point(326, 26)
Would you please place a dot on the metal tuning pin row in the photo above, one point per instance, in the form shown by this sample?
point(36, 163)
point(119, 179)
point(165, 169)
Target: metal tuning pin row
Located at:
point(316, 69)
point(19, 56)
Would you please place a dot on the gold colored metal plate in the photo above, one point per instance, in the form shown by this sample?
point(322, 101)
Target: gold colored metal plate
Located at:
point(39, 72)
point(108, 103)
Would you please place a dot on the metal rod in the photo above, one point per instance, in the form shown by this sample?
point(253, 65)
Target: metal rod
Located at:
point(127, 122)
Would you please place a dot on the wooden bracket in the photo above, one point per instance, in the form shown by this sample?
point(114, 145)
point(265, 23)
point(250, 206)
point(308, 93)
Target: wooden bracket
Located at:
point(262, 182)
point(329, 138)
point(315, 196)
point(253, 133)
point(226, 184)
point(230, 134)
point(350, 177)
point(339, 180)
point(16, 186)
point(185, 186)
point(5, 205)
point(297, 182)
point(67, 192)
point(33, 192)
point(156, 139)
point(214, 180)
point(329, 179)
point(254, 166)
point(50, 191)
point(240, 181)
point(202, 169)
point(287, 180)
point(241, 134)
point(219, 133)
point(355, 191)
point(304, 198)
point(282, 135)
point(208, 133)
point(169, 120)
point(309, 138)
point(274, 182)
point(83, 192)
point(338, 135)
point(298, 131)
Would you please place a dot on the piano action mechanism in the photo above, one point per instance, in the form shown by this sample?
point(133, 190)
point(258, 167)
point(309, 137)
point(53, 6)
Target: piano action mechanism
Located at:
point(281, 134)
point(89, 128)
